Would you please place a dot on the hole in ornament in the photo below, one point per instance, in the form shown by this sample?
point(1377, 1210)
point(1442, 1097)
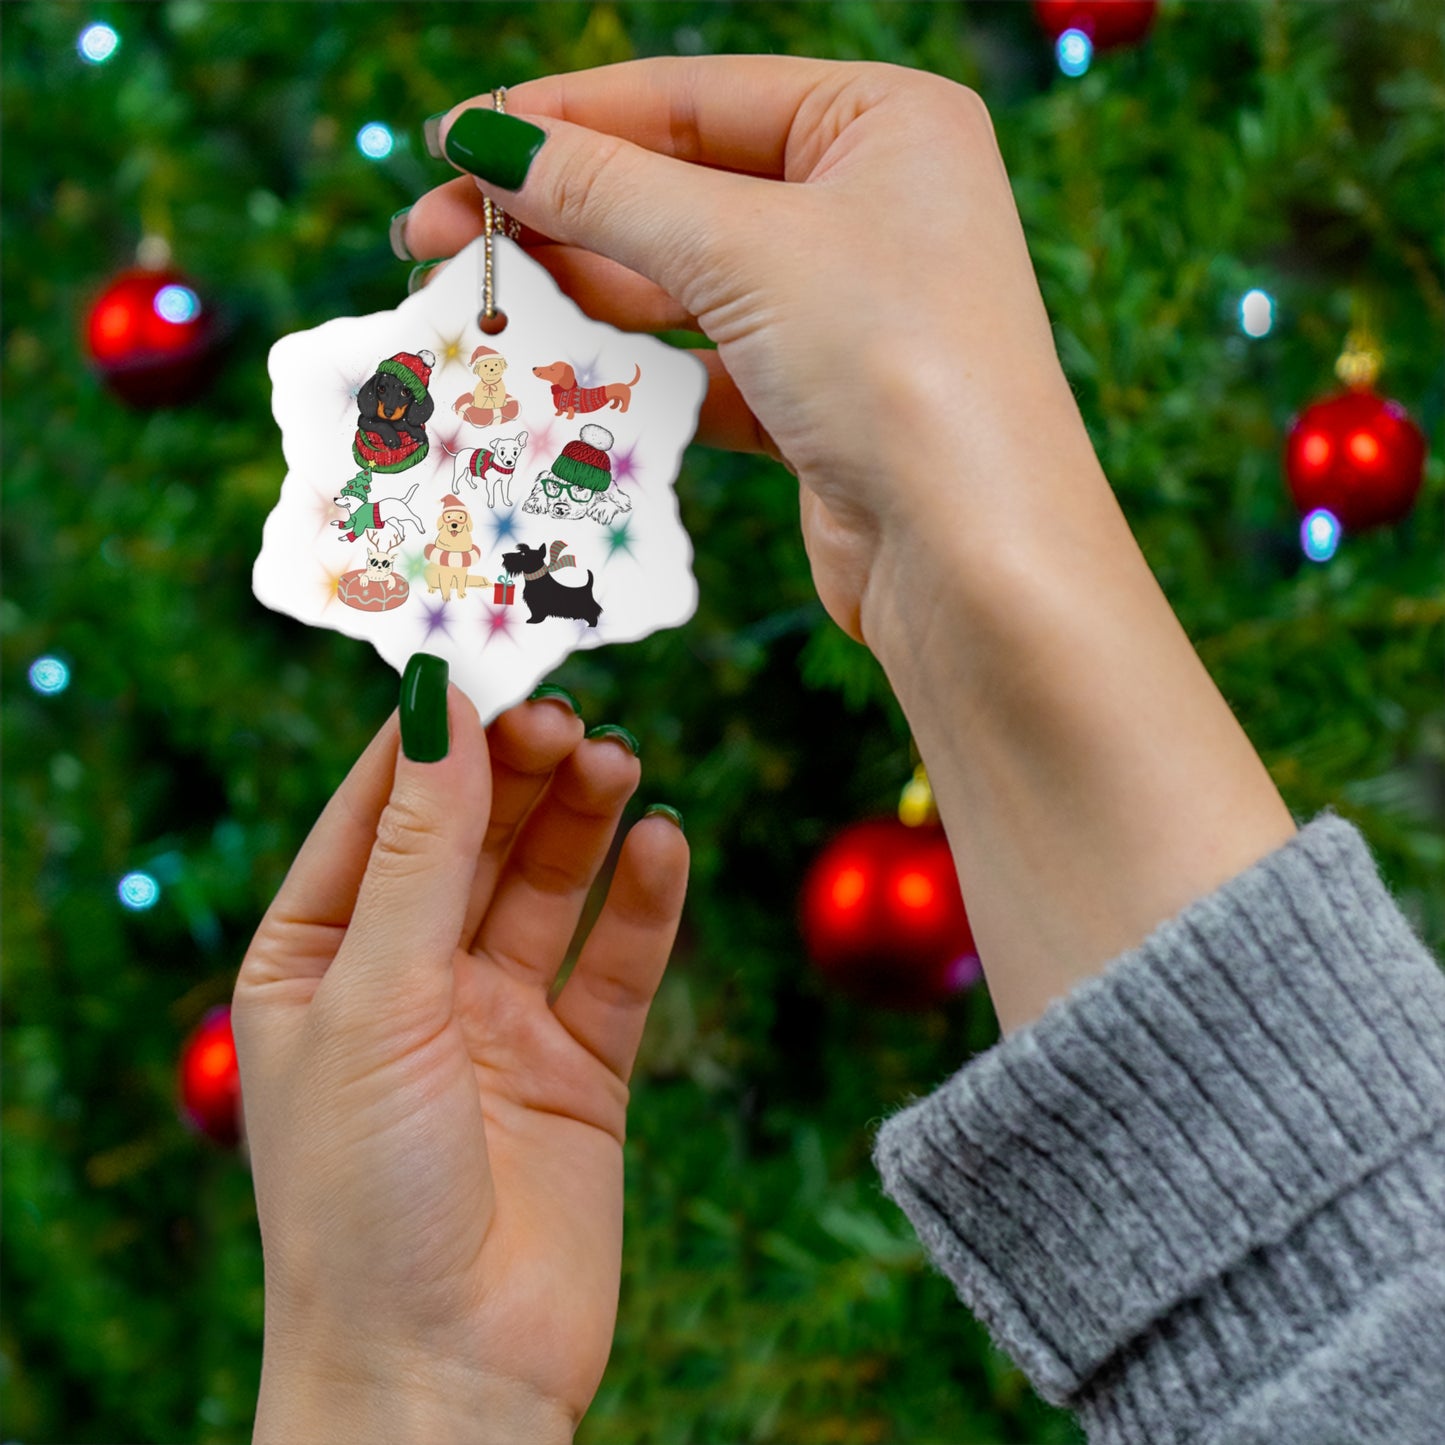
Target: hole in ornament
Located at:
point(493, 324)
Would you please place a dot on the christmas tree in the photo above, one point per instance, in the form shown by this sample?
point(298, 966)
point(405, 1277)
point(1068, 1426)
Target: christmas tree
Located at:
point(168, 742)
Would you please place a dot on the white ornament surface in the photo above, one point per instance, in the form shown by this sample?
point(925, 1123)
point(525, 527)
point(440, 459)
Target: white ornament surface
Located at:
point(641, 561)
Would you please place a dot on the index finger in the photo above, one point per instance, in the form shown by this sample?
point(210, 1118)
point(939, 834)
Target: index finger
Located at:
point(745, 113)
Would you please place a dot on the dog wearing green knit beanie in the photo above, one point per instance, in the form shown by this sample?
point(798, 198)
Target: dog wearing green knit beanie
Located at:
point(392, 410)
point(579, 483)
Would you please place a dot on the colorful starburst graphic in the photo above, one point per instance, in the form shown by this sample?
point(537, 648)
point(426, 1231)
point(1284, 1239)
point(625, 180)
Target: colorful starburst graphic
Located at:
point(448, 350)
point(624, 464)
point(330, 581)
point(619, 539)
point(434, 619)
point(498, 622)
point(504, 527)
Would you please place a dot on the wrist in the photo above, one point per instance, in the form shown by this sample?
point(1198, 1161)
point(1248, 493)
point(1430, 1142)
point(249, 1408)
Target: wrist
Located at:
point(441, 1402)
point(1092, 779)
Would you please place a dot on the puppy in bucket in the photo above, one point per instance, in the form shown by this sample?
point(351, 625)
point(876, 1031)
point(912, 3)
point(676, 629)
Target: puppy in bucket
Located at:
point(544, 595)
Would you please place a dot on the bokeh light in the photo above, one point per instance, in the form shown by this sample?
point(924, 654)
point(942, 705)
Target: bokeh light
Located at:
point(1256, 313)
point(138, 891)
point(1319, 535)
point(1074, 51)
point(177, 304)
point(97, 44)
point(49, 675)
point(375, 141)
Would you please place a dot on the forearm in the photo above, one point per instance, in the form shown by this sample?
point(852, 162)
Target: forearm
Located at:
point(1091, 778)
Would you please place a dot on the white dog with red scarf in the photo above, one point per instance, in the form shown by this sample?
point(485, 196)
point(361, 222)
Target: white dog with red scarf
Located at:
point(494, 465)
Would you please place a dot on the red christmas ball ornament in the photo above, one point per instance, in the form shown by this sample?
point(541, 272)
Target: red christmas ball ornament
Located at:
point(210, 1080)
point(152, 338)
point(883, 917)
point(1107, 23)
point(1357, 455)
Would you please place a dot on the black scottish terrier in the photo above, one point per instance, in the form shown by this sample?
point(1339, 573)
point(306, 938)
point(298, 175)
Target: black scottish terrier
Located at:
point(545, 596)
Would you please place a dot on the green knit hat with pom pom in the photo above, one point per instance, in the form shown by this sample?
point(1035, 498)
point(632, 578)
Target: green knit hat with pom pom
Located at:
point(585, 462)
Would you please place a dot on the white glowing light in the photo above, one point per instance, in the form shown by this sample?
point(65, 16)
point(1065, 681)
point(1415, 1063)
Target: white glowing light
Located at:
point(138, 891)
point(1319, 535)
point(49, 675)
point(1256, 313)
point(177, 304)
point(1074, 50)
point(375, 141)
point(97, 43)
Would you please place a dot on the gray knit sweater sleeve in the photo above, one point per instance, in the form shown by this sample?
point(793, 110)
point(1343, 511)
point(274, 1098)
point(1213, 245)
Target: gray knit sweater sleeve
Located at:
point(1202, 1198)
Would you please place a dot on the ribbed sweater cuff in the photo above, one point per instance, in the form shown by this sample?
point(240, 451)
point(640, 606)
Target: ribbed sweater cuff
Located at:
point(1213, 1107)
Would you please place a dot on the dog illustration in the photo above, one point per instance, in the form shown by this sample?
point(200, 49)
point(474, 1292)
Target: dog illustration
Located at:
point(488, 403)
point(553, 497)
point(375, 519)
point(380, 568)
point(544, 595)
point(495, 465)
point(449, 557)
point(392, 410)
point(569, 398)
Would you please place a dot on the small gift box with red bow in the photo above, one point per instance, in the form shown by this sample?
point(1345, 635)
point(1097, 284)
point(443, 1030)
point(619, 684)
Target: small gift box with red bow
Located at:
point(504, 592)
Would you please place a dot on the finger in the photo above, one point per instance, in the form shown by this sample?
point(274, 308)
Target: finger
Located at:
point(604, 1002)
point(449, 217)
point(736, 112)
point(299, 934)
point(395, 963)
point(725, 419)
point(544, 883)
point(657, 216)
point(526, 744)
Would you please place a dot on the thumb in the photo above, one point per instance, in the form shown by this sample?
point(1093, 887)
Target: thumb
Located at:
point(666, 219)
point(395, 963)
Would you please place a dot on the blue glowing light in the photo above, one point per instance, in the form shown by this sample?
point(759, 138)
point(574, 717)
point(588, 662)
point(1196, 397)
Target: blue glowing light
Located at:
point(138, 891)
point(97, 44)
point(177, 304)
point(375, 141)
point(1074, 50)
point(49, 675)
point(1256, 313)
point(1319, 535)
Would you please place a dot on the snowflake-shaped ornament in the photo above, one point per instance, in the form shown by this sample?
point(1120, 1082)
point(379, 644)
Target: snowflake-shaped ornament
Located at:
point(497, 500)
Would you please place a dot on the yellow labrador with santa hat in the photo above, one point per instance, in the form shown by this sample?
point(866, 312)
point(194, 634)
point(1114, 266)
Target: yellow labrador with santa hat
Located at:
point(488, 403)
point(449, 557)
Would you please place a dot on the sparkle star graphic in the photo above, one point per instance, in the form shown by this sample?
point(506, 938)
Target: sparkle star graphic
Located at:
point(624, 464)
point(504, 528)
point(619, 539)
point(449, 350)
point(434, 619)
point(325, 512)
point(497, 622)
point(330, 581)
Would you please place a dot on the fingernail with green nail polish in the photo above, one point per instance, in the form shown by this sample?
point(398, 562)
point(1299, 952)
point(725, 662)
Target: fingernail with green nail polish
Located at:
point(662, 810)
point(550, 689)
point(431, 134)
point(396, 234)
point(498, 148)
point(424, 734)
point(612, 730)
point(415, 281)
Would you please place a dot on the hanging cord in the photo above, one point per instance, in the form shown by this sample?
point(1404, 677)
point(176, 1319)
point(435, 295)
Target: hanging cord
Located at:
point(494, 220)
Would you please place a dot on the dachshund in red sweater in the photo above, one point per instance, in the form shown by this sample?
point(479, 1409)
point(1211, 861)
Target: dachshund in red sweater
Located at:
point(569, 398)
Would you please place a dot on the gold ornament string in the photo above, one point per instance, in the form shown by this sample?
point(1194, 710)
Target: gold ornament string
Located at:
point(494, 220)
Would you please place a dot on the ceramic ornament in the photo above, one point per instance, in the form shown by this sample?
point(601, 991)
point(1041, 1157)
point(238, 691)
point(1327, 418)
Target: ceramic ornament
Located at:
point(500, 501)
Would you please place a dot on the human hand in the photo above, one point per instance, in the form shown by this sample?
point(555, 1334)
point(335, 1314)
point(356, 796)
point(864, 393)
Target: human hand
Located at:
point(878, 324)
point(436, 1149)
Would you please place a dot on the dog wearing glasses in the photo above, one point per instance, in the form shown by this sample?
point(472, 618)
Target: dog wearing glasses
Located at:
point(579, 483)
